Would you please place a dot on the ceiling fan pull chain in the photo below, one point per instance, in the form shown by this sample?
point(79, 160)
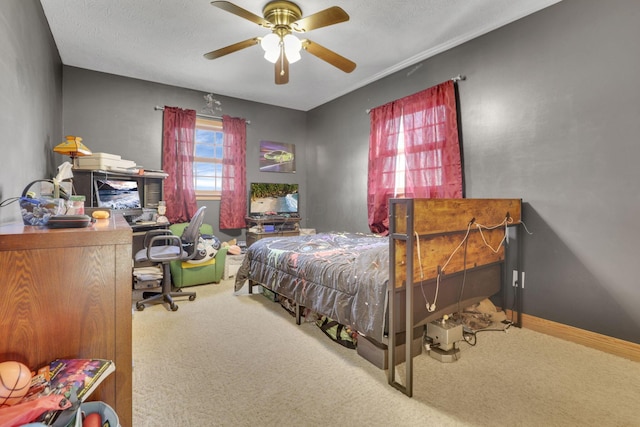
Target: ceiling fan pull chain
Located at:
point(281, 58)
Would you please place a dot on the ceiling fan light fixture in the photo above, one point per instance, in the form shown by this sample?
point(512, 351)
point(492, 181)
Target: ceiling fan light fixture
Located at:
point(271, 43)
point(272, 55)
point(293, 56)
point(292, 46)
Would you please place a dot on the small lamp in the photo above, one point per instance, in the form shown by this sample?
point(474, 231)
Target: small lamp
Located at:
point(72, 147)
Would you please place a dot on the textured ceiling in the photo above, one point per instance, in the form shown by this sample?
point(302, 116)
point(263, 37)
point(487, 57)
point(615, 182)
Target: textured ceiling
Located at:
point(164, 41)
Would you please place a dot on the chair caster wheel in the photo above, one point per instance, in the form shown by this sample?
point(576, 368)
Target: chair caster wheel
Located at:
point(192, 297)
point(139, 306)
point(174, 307)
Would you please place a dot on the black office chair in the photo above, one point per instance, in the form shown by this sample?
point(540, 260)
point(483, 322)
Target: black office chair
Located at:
point(162, 246)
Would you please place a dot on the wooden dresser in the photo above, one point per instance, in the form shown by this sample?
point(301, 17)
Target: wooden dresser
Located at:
point(66, 293)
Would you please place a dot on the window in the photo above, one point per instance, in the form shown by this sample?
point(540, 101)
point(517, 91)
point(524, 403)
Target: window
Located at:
point(426, 157)
point(421, 145)
point(414, 151)
point(207, 161)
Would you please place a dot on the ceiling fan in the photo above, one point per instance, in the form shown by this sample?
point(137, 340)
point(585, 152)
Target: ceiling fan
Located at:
point(281, 47)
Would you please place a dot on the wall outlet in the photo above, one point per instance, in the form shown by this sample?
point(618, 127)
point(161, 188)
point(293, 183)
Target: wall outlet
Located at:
point(514, 280)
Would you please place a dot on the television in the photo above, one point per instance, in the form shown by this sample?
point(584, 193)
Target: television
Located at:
point(269, 199)
point(117, 194)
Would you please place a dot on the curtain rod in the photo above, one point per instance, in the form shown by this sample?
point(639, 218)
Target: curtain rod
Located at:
point(159, 108)
point(453, 79)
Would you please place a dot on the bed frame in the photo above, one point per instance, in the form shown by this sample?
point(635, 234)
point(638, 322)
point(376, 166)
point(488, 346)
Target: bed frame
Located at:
point(426, 252)
point(434, 229)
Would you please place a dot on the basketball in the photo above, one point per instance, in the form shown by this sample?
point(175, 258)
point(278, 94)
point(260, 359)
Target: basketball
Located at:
point(15, 380)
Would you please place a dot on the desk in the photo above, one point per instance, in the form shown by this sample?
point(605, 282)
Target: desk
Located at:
point(66, 293)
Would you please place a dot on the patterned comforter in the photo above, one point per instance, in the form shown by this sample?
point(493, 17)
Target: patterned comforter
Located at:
point(341, 275)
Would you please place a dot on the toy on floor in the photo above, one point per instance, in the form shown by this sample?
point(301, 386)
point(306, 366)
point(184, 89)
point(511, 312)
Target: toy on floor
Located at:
point(233, 248)
point(15, 380)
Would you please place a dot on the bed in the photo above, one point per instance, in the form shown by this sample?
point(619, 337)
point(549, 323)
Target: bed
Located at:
point(441, 256)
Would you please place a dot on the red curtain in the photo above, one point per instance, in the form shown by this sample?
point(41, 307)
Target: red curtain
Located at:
point(233, 200)
point(178, 133)
point(433, 165)
point(383, 148)
point(432, 147)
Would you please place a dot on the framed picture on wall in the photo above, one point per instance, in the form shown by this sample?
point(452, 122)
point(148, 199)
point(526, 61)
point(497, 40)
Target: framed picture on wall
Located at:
point(277, 157)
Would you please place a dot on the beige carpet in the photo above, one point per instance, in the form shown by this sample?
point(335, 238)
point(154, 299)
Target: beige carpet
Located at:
point(240, 360)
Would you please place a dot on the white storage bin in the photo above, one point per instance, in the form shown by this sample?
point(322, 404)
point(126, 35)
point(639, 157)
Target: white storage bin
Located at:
point(231, 265)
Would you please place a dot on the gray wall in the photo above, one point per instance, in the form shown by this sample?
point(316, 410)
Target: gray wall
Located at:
point(550, 114)
point(116, 115)
point(30, 100)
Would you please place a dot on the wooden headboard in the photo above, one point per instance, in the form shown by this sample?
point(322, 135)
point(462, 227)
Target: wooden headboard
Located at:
point(439, 225)
point(435, 238)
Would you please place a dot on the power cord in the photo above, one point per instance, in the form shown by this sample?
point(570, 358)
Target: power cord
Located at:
point(464, 271)
point(466, 335)
point(7, 202)
point(508, 220)
point(431, 307)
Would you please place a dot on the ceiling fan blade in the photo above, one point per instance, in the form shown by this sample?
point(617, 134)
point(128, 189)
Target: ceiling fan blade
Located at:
point(282, 70)
point(232, 48)
point(242, 13)
point(330, 16)
point(329, 56)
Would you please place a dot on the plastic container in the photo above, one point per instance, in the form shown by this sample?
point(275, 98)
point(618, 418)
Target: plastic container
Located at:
point(75, 205)
point(106, 412)
point(37, 211)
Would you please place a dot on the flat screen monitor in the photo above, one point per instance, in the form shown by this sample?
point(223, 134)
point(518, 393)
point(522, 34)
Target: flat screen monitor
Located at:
point(117, 194)
point(268, 198)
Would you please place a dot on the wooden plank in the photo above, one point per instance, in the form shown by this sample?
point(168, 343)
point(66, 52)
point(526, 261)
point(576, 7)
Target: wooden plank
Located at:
point(434, 216)
point(435, 251)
